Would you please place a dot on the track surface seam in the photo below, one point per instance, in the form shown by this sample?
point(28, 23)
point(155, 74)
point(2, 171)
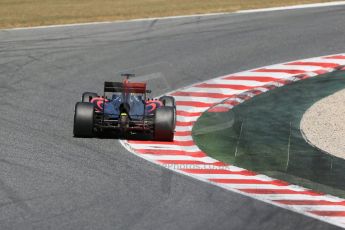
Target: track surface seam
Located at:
point(185, 157)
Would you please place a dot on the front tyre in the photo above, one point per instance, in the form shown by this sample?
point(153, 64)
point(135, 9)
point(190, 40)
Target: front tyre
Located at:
point(164, 124)
point(83, 119)
point(168, 101)
point(87, 96)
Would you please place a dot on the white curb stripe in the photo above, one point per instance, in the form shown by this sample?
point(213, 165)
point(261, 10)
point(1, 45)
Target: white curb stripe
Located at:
point(235, 82)
point(215, 90)
point(183, 138)
point(322, 208)
point(165, 147)
point(191, 109)
point(298, 67)
point(267, 74)
point(197, 99)
point(175, 158)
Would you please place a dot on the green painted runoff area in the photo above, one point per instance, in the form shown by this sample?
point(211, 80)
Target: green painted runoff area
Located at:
point(263, 135)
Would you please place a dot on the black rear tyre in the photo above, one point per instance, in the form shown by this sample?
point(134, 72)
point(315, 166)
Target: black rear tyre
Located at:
point(168, 101)
point(87, 96)
point(164, 124)
point(83, 119)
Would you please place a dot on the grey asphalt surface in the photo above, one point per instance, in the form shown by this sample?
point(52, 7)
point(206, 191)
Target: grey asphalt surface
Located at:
point(50, 180)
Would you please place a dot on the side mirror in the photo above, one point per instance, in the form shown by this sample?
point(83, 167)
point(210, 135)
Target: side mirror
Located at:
point(148, 91)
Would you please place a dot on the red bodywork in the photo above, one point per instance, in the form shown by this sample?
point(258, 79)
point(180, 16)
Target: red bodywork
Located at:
point(134, 87)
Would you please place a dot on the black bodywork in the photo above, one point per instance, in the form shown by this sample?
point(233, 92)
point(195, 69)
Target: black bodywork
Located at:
point(124, 108)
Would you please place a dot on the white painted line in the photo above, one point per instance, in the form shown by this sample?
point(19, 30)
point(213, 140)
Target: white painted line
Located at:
point(303, 6)
point(121, 21)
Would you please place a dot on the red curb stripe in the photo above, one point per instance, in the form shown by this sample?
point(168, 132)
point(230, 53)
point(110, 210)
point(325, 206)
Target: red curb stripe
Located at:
point(188, 114)
point(177, 143)
point(336, 57)
point(329, 213)
point(201, 94)
point(256, 91)
point(194, 104)
point(183, 133)
point(251, 78)
point(184, 123)
point(321, 71)
point(249, 181)
point(310, 202)
point(220, 171)
point(191, 162)
point(289, 71)
point(224, 86)
point(231, 102)
point(280, 191)
point(171, 152)
point(320, 64)
point(218, 109)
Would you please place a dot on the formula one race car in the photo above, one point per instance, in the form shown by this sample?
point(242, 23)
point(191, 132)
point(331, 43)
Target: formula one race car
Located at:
point(126, 110)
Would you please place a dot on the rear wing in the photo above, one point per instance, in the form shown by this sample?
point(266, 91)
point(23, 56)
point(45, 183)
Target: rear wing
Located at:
point(113, 87)
point(126, 87)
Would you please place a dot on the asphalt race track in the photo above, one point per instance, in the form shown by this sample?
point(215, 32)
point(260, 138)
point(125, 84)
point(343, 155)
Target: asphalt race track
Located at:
point(50, 180)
